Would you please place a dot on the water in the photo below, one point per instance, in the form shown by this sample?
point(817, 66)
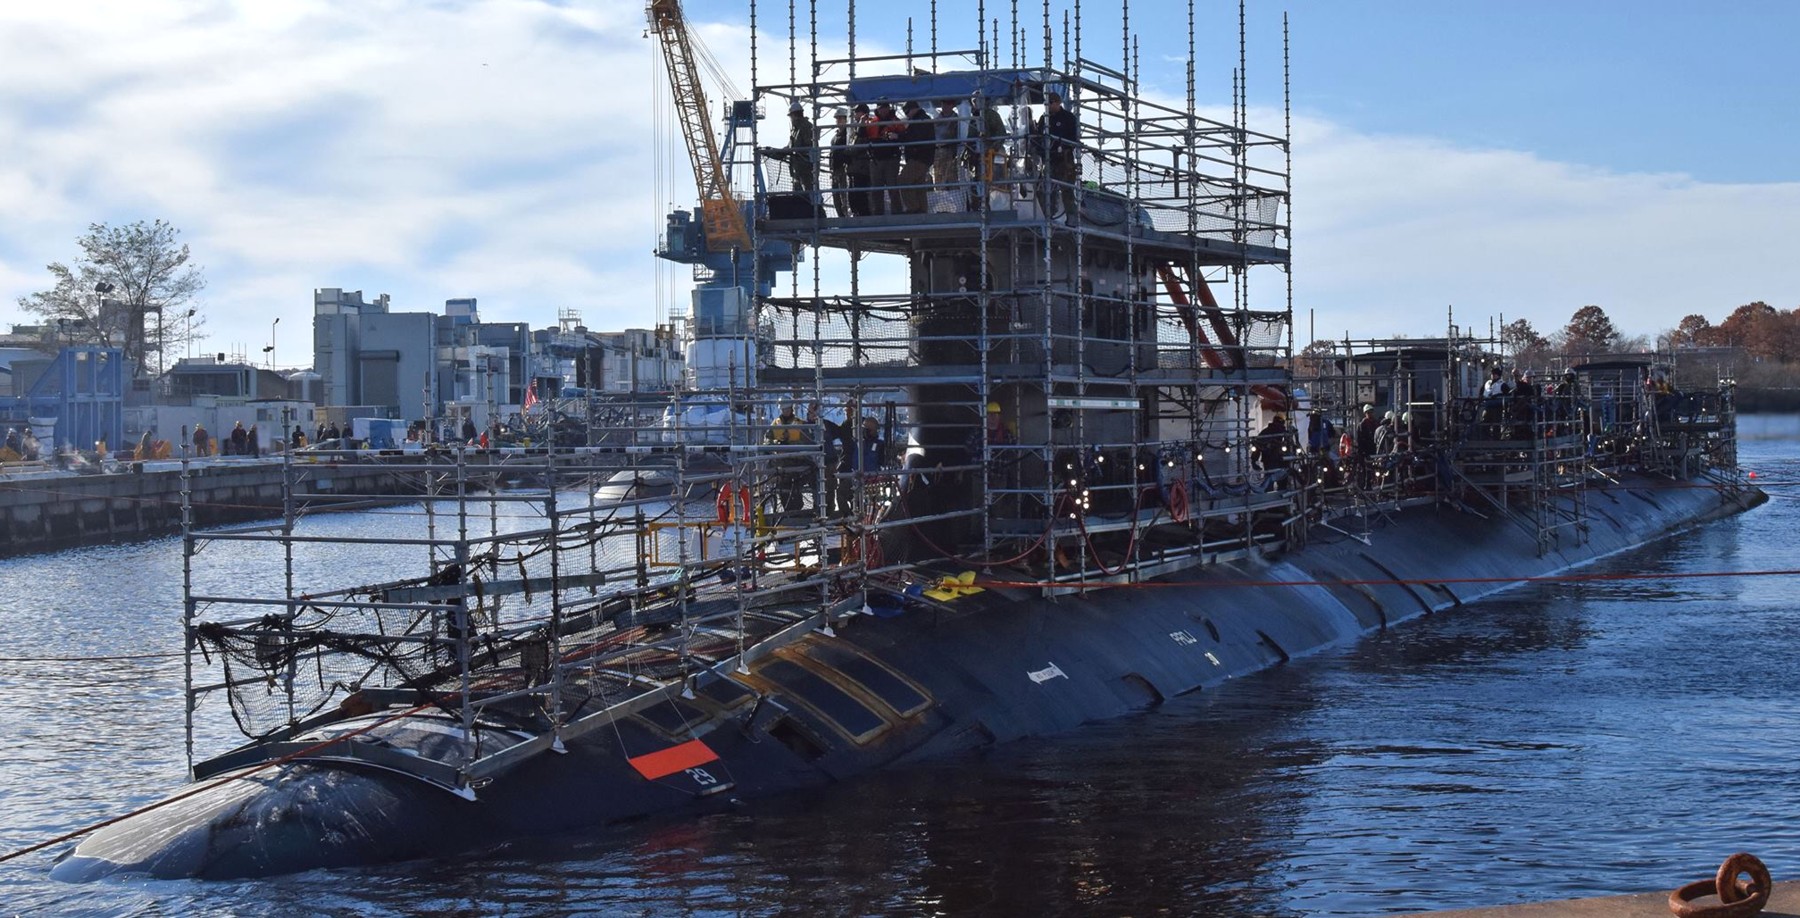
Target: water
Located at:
point(1568, 740)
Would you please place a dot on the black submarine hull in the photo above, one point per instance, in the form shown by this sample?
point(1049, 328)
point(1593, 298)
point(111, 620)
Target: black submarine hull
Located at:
point(981, 669)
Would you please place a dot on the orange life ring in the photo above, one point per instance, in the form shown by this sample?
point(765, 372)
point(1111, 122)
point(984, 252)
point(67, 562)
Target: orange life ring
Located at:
point(1178, 501)
point(733, 505)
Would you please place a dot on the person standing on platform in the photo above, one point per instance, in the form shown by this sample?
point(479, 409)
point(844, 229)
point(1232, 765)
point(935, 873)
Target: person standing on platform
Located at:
point(884, 132)
point(803, 154)
point(920, 150)
point(1062, 133)
point(988, 137)
point(947, 127)
point(862, 197)
point(841, 138)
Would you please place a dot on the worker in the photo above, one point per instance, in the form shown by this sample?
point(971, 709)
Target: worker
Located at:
point(996, 432)
point(1384, 436)
point(918, 149)
point(202, 441)
point(1524, 405)
point(862, 198)
point(1493, 398)
point(988, 133)
point(1320, 435)
point(841, 138)
point(1061, 134)
point(948, 129)
point(1270, 449)
point(802, 151)
point(787, 429)
point(860, 457)
point(883, 132)
point(791, 472)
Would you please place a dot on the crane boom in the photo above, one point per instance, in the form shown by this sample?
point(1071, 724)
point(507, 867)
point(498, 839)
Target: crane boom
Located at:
point(720, 215)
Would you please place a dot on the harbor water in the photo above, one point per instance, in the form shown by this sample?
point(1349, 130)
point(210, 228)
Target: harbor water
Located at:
point(1568, 739)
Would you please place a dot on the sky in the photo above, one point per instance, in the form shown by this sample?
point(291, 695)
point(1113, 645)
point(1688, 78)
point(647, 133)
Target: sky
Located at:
point(1495, 159)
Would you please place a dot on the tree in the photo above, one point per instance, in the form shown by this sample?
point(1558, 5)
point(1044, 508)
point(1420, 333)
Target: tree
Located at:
point(124, 274)
point(1315, 359)
point(1745, 325)
point(1589, 331)
point(1692, 331)
point(1523, 342)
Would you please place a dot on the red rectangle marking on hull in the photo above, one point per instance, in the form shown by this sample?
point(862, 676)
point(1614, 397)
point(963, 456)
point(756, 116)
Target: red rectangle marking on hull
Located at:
point(673, 759)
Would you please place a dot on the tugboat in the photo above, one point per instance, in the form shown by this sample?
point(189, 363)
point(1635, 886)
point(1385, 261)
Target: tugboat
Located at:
point(1066, 482)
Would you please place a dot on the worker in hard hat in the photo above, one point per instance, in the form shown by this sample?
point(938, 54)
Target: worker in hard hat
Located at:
point(791, 472)
point(803, 149)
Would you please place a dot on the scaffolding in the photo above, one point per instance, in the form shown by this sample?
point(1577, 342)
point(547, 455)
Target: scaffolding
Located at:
point(1009, 359)
point(1037, 351)
point(1529, 453)
point(1055, 352)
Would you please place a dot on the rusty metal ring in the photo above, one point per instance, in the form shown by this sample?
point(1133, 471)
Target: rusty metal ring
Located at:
point(1731, 889)
point(1745, 899)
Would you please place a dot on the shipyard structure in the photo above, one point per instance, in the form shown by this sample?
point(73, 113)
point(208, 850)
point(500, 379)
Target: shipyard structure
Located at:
point(992, 428)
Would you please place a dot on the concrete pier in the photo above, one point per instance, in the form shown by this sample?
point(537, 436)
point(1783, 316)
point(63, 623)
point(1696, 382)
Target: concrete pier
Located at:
point(1783, 903)
point(47, 510)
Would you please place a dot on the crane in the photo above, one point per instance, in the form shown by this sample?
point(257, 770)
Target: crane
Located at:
point(720, 216)
point(732, 270)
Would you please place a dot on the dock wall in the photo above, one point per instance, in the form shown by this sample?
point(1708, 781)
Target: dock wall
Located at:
point(48, 511)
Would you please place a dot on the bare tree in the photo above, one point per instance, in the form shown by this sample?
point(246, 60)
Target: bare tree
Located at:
point(124, 275)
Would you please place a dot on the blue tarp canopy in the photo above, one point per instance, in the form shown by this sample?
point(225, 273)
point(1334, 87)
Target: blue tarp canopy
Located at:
point(927, 88)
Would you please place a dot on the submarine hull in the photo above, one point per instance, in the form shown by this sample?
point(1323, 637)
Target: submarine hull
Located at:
point(991, 667)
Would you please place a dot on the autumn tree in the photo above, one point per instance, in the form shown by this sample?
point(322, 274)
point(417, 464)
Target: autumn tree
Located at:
point(124, 275)
point(1590, 331)
point(1523, 342)
point(1693, 330)
point(1315, 359)
point(1739, 328)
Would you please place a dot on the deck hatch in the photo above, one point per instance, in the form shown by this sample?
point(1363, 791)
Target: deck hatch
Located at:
point(892, 689)
point(728, 693)
point(673, 717)
point(831, 702)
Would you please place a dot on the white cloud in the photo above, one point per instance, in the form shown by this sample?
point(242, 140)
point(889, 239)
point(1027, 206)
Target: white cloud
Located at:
point(1391, 230)
point(505, 149)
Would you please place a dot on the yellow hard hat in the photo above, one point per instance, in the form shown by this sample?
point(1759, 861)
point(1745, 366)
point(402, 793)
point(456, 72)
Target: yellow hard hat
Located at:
point(993, 407)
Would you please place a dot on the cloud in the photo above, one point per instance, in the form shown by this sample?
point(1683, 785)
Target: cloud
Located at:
point(496, 149)
point(514, 150)
point(1392, 230)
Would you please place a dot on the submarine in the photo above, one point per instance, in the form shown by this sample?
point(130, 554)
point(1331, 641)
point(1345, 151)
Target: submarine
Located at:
point(1048, 476)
